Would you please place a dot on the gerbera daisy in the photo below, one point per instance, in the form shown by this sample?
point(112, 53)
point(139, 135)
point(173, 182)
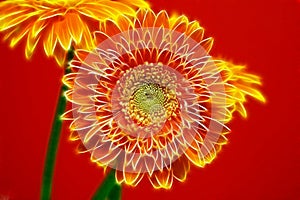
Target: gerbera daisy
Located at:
point(149, 100)
point(59, 24)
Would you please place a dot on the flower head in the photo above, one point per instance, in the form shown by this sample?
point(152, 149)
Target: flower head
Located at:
point(59, 24)
point(149, 100)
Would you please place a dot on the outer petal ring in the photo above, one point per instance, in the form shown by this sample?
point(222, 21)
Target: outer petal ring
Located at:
point(106, 58)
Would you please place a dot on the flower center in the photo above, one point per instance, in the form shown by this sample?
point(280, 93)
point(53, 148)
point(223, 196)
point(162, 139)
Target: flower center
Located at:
point(147, 104)
point(144, 99)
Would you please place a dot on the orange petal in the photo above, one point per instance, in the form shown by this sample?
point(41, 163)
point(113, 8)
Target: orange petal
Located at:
point(104, 10)
point(68, 79)
point(37, 27)
point(81, 148)
point(115, 8)
point(32, 39)
point(50, 41)
point(150, 164)
point(74, 136)
point(195, 157)
point(94, 13)
point(162, 19)
point(63, 36)
point(110, 28)
point(222, 138)
point(249, 78)
point(137, 3)
point(15, 18)
point(16, 34)
point(60, 56)
point(8, 9)
point(31, 45)
point(207, 44)
point(162, 179)
point(103, 152)
point(208, 150)
point(50, 13)
point(132, 178)
point(251, 92)
point(124, 23)
point(87, 42)
point(74, 24)
point(138, 22)
point(81, 55)
point(179, 24)
point(195, 32)
point(241, 109)
point(180, 168)
point(119, 177)
point(149, 18)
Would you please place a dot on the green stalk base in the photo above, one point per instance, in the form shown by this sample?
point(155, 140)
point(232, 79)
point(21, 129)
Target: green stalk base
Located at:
point(53, 142)
point(109, 189)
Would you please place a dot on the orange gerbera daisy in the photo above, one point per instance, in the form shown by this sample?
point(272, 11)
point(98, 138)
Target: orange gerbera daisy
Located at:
point(149, 100)
point(59, 24)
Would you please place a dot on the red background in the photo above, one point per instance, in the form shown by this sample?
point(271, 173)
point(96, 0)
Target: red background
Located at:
point(262, 158)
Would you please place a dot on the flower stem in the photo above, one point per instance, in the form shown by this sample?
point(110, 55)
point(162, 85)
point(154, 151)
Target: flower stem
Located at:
point(109, 189)
point(54, 139)
point(115, 193)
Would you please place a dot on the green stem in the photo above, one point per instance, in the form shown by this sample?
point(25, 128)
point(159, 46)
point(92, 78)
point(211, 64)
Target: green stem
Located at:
point(115, 193)
point(54, 140)
point(109, 189)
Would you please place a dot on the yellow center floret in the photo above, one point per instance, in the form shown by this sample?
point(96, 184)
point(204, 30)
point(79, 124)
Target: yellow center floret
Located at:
point(151, 104)
point(146, 97)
